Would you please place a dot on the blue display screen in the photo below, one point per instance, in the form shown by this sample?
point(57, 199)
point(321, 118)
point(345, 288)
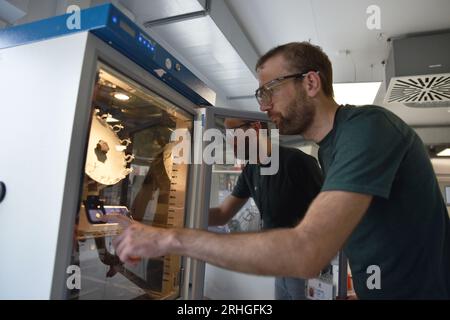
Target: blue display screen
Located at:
point(125, 27)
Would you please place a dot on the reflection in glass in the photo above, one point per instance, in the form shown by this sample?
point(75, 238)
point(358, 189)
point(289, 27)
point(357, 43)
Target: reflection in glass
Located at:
point(225, 176)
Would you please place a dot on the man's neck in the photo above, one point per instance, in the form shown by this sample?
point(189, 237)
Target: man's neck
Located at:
point(323, 120)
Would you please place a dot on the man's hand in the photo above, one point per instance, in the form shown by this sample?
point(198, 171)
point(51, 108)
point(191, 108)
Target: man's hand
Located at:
point(138, 240)
point(123, 221)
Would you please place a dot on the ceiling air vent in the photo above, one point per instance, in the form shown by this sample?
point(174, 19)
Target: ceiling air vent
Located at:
point(427, 91)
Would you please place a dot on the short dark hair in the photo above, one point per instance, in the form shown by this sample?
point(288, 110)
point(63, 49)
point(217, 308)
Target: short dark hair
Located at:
point(304, 56)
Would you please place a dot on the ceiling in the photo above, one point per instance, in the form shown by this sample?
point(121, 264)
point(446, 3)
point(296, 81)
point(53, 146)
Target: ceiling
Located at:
point(222, 46)
point(339, 27)
point(211, 47)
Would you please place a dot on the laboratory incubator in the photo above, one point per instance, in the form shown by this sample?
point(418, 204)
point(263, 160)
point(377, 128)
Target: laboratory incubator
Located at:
point(88, 118)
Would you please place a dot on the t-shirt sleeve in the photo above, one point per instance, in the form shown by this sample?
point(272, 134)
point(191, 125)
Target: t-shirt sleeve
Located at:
point(241, 189)
point(369, 149)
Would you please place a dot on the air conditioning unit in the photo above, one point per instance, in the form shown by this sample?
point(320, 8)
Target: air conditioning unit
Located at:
point(418, 71)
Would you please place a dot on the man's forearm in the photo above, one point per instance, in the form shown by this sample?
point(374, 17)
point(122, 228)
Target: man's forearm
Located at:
point(286, 250)
point(220, 215)
point(301, 251)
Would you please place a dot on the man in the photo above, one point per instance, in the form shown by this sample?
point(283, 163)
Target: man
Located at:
point(380, 201)
point(282, 199)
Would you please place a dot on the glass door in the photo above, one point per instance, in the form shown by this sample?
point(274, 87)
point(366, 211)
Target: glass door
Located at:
point(220, 283)
point(129, 170)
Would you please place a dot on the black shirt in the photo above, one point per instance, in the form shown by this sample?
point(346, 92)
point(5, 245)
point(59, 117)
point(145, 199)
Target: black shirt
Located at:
point(405, 233)
point(282, 198)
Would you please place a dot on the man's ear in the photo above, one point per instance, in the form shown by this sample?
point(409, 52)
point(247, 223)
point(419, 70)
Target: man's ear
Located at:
point(312, 84)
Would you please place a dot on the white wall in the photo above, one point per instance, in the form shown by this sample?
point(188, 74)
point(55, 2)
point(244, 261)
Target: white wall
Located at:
point(441, 166)
point(35, 135)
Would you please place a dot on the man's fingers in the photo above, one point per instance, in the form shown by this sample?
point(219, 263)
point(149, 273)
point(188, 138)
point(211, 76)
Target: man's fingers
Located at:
point(117, 218)
point(125, 254)
point(127, 244)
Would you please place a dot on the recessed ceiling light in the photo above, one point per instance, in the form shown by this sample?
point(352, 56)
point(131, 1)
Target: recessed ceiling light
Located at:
point(121, 96)
point(444, 153)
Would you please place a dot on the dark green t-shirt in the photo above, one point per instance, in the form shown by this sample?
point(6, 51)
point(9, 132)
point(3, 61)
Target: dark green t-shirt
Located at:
point(282, 198)
point(405, 231)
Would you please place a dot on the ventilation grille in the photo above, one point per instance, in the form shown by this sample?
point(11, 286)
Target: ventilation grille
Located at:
point(428, 91)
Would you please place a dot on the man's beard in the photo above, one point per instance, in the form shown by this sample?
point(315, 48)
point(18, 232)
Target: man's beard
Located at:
point(299, 116)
